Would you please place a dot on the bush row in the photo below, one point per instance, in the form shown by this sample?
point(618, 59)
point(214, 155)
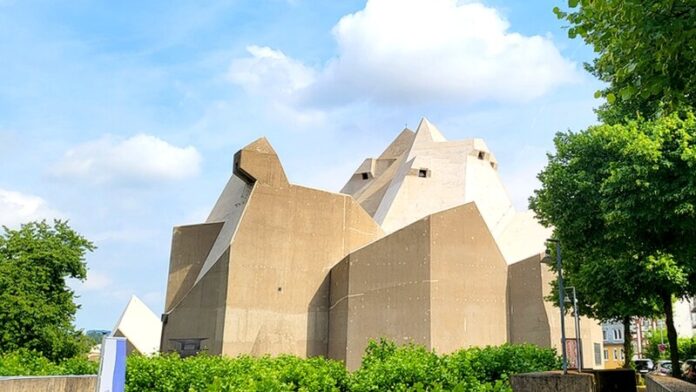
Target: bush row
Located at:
point(25, 362)
point(385, 367)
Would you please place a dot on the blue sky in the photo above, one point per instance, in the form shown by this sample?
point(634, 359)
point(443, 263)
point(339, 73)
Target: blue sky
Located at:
point(123, 117)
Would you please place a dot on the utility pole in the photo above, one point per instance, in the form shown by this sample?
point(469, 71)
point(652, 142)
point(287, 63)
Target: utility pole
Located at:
point(578, 339)
point(561, 300)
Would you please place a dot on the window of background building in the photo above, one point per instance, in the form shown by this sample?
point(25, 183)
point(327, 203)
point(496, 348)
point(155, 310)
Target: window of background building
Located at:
point(616, 355)
point(604, 334)
point(606, 354)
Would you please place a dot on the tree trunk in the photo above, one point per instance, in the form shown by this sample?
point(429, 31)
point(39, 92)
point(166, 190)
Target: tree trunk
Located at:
point(628, 347)
point(671, 334)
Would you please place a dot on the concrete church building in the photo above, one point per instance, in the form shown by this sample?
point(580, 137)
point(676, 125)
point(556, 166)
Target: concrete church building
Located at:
point(422, 245)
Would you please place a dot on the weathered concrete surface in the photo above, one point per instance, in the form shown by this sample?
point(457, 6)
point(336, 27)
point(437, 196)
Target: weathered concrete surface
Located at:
point(552, 382)
point(422, 173)
point(439, 282)
point(460, 266)
point(534, 320)
point(668, 384)
point(263, 287)
point(49, 384)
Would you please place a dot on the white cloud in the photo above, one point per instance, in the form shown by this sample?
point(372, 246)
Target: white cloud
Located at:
point(141, 158)
point(413, 51)
point(17, 208)
point(95, 281)
point(270, 71)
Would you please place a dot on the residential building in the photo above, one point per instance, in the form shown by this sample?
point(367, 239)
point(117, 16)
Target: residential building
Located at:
point(613, 338)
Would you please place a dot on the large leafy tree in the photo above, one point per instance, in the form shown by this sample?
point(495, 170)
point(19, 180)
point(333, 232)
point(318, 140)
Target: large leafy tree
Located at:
point(646, 52)
point(622, 201)
point(37, 308)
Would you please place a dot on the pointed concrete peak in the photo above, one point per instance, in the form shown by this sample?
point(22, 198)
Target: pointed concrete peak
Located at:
point(399, 145)
point(426, 131)
point(261, 145)
point(258, 161)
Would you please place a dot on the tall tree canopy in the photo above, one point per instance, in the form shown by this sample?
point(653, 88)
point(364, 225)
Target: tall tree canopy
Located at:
point(622, 201)
point(37, 308)
point(646, 52)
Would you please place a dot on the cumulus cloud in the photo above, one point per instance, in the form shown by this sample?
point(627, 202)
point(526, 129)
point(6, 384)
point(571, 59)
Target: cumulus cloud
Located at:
point(17, 208)
point(412, 51)
point(95, 281)
point(141, 158)
point(270, 71)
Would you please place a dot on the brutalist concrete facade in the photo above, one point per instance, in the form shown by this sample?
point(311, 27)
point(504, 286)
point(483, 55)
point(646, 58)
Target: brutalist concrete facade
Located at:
point(422, 246)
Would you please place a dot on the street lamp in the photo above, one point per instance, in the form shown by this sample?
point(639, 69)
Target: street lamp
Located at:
point(561, 296)
point(578, 340)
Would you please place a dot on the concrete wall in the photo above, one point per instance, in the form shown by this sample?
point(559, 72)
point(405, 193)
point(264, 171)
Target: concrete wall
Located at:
point(268, 293)
point(190, 247)
point(201, 312)
point(527, 319)
point(534, 320)
point(49, 384)
point(387, 294)
point(439, 282)
point(668, 384)
point(468, 282)
point(552, 382)
point(286, 244)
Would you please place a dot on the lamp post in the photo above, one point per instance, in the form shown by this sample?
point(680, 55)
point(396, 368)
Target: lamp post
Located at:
point(578, 339)
point(561, 296)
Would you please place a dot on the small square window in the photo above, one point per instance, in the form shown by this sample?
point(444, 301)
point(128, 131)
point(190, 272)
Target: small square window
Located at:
point(481, 155)
point(365, 176)
point(423, 173)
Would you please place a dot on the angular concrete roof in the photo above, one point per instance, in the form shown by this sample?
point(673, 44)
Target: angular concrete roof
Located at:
point(140, 326)
point(423, 173)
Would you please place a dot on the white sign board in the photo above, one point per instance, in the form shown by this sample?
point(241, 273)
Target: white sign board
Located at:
point(112, 370)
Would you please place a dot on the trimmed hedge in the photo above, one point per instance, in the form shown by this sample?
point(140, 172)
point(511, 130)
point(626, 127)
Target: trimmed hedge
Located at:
point(25, 362)
point(385, 367)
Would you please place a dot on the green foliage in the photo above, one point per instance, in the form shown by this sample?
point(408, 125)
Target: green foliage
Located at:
point(622, 201)
point(211, 373)
point(686, 347)
point(95, 336)
point(25, 362)
point(36, 306)
point(385, 367)
point(645, 52)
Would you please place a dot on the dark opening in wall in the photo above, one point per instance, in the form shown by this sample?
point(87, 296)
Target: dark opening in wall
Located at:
point(365, 176)
point(481, 155)
point(423, 173)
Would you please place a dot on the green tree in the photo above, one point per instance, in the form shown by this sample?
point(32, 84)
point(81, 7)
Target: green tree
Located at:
point(37, 308)
point(646, 51)
point(622, 201)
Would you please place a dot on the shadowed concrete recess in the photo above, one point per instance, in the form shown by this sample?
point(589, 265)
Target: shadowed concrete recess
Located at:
point(423, 245)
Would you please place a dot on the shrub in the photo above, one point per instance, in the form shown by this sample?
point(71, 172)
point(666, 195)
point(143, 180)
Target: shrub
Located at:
point(385, 367)
point(25, 362)
point(388, 367)
point(205, 372)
